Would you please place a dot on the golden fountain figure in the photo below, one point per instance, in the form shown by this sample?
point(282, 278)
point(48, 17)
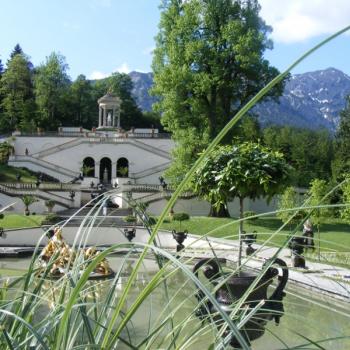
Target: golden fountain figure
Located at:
point(61, 257)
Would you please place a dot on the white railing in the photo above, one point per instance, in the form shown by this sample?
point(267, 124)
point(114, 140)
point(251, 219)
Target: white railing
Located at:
point(18, 192)
point(45, 164)
point(150, 171)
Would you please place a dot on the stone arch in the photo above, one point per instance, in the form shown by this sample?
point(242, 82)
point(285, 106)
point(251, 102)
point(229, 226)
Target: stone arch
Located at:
point(123, 167)
point(89, 167)
point(105, 170)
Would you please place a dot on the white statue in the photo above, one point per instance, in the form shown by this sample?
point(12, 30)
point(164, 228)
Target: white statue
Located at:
point(109, 119)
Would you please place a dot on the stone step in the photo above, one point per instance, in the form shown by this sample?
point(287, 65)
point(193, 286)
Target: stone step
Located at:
point(110, 211)
point(100, 221)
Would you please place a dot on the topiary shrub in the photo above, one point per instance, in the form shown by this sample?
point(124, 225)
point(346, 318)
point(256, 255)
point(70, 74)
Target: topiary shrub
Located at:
point(130, 218)
point(152, 220)
point(51, 219)
point(249, 213)
point(181, 216)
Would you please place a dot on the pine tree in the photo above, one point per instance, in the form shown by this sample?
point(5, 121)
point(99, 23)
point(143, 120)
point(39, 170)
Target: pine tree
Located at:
point(1, 68)
point(17, 50)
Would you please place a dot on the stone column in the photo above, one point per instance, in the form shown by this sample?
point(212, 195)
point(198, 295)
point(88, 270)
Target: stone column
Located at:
point(113, 117)
point(104, 116)
point(118, 120)
point(97, 170)
point(114, 170)
point(99, 116)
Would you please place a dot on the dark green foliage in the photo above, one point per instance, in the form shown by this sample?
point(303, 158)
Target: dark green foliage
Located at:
point(18, 102)
point(309, 152)
point(181, 216)
point(5, 151)
point(208, 62)
point(130, 218)
point(152, 220)
point(83, 103)
point(17, 50)
point(341, 162)
point(249, 213)
point(245, 170)
point(51, 218)
point(121, 85)
point(1, 216)
point(51, 84)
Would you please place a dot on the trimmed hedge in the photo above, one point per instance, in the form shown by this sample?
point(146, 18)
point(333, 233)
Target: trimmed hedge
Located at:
point(130, 218)
point(249, 213)
point(181, 216)
point(51, 219)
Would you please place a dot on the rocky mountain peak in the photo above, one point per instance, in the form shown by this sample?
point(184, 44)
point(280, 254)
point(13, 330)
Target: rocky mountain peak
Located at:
point(311, 100)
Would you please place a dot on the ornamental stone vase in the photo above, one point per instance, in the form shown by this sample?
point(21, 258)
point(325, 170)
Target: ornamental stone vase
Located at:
point(233, 289)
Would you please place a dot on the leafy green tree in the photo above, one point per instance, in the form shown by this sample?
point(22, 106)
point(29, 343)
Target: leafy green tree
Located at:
point(345, 212)
point(28, 200)
point(309, 152)
point(317, 191)
point(49, 205)
point(1, 68)
point(121, 85)
point(17, 90)
point(51, 83)
point(208, 62)
point(246, 170)
point(83, 104)
point(289, 199)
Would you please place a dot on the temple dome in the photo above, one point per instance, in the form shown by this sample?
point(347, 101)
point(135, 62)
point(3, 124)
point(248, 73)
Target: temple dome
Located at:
point(109, 98)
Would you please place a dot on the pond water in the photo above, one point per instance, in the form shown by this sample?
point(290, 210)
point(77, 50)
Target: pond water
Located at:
point(307, 315)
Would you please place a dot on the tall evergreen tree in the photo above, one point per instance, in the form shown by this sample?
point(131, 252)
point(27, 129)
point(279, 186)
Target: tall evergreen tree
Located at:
point(208, 62)
point(341, 162)
point(17, 50)
point(1, 68)
point(17, 90)
point(51, 84)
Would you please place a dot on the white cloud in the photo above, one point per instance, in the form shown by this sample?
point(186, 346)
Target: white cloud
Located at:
point(124, 68)
point(299, 20)
point(98, 75)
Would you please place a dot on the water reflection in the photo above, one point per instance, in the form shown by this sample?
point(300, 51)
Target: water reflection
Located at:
point(303, 311)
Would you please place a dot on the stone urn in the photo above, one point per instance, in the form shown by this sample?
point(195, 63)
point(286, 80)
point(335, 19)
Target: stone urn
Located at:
point(249, 239)
point(235, 287)
point(179, 238)
point(130, 233)
point(296, 245)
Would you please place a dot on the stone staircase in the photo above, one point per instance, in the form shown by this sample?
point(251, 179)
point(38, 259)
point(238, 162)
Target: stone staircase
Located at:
point(31, 189)
point(43, 166)
point(114, 217)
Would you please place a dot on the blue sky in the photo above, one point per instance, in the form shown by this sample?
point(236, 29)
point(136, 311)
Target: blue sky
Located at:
point(98, 37)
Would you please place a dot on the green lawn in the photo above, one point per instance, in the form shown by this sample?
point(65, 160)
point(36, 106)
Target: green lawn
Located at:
point(8, 174)
point(335, 234)
point(18, 221)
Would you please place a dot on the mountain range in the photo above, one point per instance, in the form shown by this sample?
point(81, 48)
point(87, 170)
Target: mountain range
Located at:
point(310, 100)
